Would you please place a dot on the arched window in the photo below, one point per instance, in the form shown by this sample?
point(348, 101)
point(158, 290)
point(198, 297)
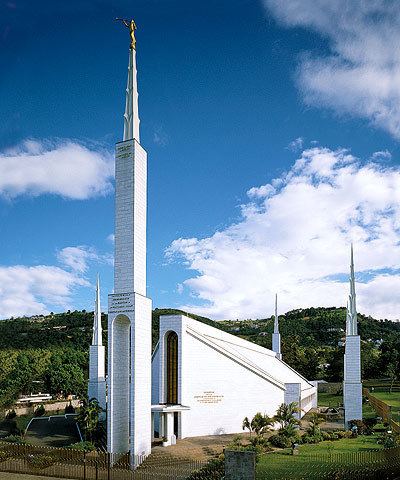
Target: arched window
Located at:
point(172, 368)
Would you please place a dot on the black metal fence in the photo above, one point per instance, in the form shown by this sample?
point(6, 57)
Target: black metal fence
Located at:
point(73, 464)
point(367, 465)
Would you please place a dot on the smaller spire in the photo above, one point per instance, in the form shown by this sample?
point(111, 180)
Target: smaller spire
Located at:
point(276, 336)
point(97, 330)
point(351, 308)
point(276, 322)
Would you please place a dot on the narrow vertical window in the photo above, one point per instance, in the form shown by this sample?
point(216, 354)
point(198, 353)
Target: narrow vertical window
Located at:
point(172, 368)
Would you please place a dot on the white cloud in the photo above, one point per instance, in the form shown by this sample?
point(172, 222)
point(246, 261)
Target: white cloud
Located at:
point(111, 238)
point(78, 258)
point(361, 74)
point(383, 155)
point(32, 290)
point(160, 137)
point(296, 145)
point(295, 241)
point(64, 168)
point(260, 192)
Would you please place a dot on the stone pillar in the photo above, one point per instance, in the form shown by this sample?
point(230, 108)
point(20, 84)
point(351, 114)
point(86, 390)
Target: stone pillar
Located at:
point(129, 311)
point(169, 429)
point(293, 394)
point(352, 387)
point(240, 465)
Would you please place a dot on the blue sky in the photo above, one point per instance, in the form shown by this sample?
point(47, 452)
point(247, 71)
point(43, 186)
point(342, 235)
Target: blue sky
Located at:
point(231, 95)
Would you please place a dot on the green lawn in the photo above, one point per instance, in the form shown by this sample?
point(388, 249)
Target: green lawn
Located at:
point(329, 400)
point(313, 460)
point(392, 399)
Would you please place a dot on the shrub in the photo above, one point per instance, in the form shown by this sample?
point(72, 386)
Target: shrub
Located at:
point(14, 439)
point(307, 438)
point(83, 446)
point(280, 441)
point(389, 440)
point(40, 411)
point(343, 433)
point(369, 425)
point(11, 414)
point(69, 408)
point(261, 443)
point(213, 470)
point(329, 436)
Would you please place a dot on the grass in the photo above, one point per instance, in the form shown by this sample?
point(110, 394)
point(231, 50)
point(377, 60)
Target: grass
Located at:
point(11, 426)
point(311, 459)
point(392, 399)
point(329, 399)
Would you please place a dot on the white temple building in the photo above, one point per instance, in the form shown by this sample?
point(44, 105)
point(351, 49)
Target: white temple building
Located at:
point(352, 387)
point(200, 380)
point(205, 381)
point(97, 379)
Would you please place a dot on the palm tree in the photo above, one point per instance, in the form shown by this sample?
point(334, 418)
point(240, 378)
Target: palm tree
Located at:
point(88, 418)
point(247, 425)
point(285, 417)
point(315, 421)
point(261, 423)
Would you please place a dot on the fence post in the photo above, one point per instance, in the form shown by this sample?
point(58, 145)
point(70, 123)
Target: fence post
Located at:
point(240, 465)
point(84, 465)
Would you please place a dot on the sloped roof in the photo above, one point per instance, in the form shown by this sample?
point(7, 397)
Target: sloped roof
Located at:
point(260, 360)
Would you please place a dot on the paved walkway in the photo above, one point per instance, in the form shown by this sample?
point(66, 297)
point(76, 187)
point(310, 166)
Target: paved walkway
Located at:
point(198, 448)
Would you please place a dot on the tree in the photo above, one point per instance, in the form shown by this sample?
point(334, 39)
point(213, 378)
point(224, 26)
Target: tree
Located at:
point(392, 373)
point(261, 423)
point(285, 416)
point(246, 425)
point(88, 418)
point(315, 421)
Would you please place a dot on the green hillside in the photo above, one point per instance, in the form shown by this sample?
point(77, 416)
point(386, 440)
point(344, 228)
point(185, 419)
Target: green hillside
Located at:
point(50, 353)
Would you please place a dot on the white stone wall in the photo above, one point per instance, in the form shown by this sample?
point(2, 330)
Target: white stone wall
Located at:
point(293, 394)
point(222, 378)
point(352, 387)
point(141, 377)
point(97, 383)
point(129, 320)
point(276, 344)
point(130, 218)
point(118, 382)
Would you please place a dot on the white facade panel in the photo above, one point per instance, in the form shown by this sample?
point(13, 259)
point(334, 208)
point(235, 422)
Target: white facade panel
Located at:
point(352, 387)
point(222, 378)
point(130, 218)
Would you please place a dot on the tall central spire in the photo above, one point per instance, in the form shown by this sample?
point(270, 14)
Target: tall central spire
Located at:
point(129, 309)
point(131, 115)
